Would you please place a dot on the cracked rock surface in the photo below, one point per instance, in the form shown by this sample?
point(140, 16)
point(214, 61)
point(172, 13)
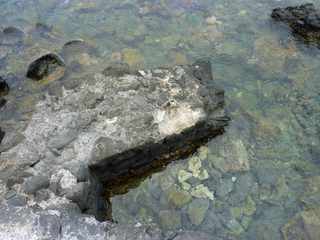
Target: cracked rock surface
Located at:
point(102, 129)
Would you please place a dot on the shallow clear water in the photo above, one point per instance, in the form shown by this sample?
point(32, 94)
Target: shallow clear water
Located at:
point(246, 184)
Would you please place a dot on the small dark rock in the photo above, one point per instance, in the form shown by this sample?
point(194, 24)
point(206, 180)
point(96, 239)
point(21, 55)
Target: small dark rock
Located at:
point(11, 36)
point(43, 31)
point(202, 70)
point(1, 135)
point(117, 70)
point(2, 102)
point(304, 20)
point(41, 27)
point(13, 31)
point(4, 88)
point(74, 43)
point(50, 67)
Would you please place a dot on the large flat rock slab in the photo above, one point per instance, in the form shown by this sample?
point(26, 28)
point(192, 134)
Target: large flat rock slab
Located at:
point(106, 128)
point(116, 124)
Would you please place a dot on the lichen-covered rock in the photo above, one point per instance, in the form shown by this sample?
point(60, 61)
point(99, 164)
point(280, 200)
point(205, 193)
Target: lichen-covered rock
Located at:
point(48, 67)
point(202, 191)
point(304, 20)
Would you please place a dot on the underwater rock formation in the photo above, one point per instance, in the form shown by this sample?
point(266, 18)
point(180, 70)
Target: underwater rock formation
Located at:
point(105, 130)
point(48, 67)
point(304, 20)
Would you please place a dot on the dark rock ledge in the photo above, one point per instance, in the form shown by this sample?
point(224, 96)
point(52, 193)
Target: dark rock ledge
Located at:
point(99, 134)
point(304, 20)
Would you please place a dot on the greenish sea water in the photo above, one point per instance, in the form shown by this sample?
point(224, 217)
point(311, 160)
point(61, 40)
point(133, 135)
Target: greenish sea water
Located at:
point(253, 182)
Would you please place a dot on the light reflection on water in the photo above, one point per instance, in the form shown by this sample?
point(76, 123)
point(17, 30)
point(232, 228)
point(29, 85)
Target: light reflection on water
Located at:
point(260, 170)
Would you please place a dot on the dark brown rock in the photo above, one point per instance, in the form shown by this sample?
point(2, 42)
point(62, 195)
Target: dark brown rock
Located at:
point(304, 20)
point(1, 135)
point(4, 88)
point(48, 67)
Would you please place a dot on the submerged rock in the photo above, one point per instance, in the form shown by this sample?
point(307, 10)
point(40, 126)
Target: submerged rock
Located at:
point(197, 210)
point(49, 67)
point(178, 197)
point(4, 88)
point(271, 56)
point(193, 236)
point(231, 157)
point(77, 50)
point(43, 28)
point(305, 225)
point(11, 36)
point(304, 20)
point(202, 191)
point(117, 70)
point(170, 219)
point(132, 57)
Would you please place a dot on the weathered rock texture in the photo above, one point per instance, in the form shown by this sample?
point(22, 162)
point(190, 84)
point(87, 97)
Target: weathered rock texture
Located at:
point(304, 20)
point(103, 130)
